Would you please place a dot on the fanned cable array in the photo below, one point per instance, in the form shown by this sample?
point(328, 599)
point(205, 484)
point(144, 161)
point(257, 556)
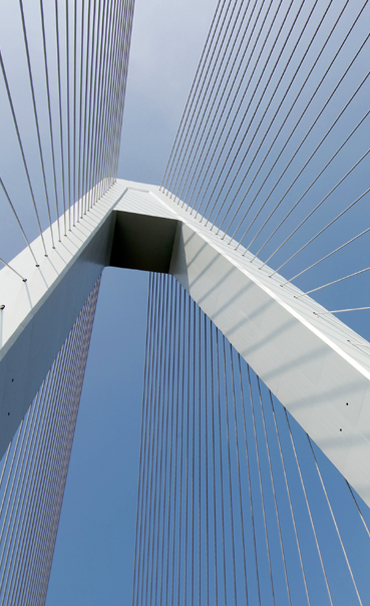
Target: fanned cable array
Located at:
point(34, 470)
point(272, 149)
point(235, 504)
point(63, 71)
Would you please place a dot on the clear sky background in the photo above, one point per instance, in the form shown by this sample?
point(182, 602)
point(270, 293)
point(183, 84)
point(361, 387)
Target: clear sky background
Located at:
point(93, 559)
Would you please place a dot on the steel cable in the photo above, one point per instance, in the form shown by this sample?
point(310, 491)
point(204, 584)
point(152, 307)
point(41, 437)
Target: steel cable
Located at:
point(230, 129)
point(287, 139)
point(49, 116)
point(22, 150)
point(308, 506)
point(191, 96)
point(309, 187)
point(358, 199)
point(334, 521)
point(211, 129)
point(266, 132)
point(202, 81)
point(305, 138)
point(261, 487)
point(290, 500)
point(261, 119)
point(219, 71)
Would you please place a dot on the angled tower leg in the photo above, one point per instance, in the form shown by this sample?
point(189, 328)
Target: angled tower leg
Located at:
point(305, 360)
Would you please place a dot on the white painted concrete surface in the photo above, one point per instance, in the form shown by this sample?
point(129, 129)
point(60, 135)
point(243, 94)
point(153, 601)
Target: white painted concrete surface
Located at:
point(306, 360)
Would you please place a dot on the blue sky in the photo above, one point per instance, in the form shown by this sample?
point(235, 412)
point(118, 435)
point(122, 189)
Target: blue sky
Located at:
point(93, 559)
point(94, 552)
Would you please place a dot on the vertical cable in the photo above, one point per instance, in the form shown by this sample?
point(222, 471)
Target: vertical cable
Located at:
point(249, 482)
point(35, 115)
point(199, 338)
point(213, 402)
point(88, 58)
point(146, 386)
point(161, 353)
point(143, 436)
point(28, 517)
point(202, 68)
point(274, 492)
point(238, 473)
point(221, 466)
point(206, 448)
point(170, 335)
point(214, 73)
point(61, 129)
point(334, 521)
point(74, 128)
point(229, 469)
point(182, 400)
point(149, 489)
point(187, 109)
point(88, 185)
point(81, 112)
point(194, 335)
point(22, 151)
point(176, 449)
point(261, 487)
point(290, 500)
point(187, 313)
